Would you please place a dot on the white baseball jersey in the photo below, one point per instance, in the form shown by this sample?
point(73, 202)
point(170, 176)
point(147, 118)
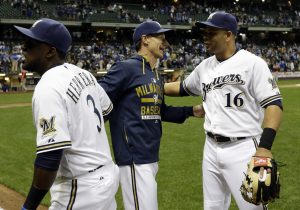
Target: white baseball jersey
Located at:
point(234, 92)
point(68, 107)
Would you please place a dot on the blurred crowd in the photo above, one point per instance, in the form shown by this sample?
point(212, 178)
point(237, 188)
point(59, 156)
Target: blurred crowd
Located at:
point(28, 8)
point(186, 55)
point(252, 13)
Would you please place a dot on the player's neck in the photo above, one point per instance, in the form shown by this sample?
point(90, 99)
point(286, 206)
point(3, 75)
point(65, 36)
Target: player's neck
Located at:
point(151, 59)
point(226, 54)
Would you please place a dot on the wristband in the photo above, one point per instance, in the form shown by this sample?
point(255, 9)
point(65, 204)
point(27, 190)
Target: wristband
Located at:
point(267, 138)
point(189, 111)
point(34, 198)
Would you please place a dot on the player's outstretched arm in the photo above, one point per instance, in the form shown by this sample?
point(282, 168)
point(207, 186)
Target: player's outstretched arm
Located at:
point(172, 89)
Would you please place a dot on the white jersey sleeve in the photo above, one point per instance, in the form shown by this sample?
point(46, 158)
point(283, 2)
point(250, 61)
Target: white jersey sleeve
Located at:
point(263, 85)
point(191, 84)
point(106, 104)
point(49, 112)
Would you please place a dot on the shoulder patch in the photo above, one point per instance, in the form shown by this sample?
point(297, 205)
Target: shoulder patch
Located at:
point(272, 82)
point(48, 126)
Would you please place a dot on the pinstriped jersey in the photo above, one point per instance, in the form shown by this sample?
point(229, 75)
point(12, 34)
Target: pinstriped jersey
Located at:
point(234, 92)
point(68, 106)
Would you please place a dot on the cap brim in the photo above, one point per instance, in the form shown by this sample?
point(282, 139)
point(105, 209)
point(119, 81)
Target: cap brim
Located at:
point(28, 33)
point(205, 24)
point(162, 31)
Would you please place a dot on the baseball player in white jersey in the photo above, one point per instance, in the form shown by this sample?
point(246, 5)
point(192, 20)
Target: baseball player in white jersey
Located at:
point(73, 154)
point(236, 87)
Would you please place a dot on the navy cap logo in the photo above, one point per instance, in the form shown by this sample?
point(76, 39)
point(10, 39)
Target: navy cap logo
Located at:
point(211, 16)
point(35, 23)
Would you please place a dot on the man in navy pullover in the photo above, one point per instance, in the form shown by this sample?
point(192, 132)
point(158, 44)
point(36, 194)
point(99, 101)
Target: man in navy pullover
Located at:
point(136, 90)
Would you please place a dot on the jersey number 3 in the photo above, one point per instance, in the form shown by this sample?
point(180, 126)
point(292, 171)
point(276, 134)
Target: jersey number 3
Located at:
point(90, 98)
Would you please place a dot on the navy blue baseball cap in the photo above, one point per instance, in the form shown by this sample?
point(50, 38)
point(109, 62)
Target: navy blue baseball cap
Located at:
point(146, 28)
point(222, 20)
point(49, 31)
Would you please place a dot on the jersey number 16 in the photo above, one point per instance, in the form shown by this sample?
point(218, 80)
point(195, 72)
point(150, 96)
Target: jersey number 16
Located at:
point(237, 101)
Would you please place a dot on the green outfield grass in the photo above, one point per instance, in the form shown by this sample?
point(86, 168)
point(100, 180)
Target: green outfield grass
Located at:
point(179, 176)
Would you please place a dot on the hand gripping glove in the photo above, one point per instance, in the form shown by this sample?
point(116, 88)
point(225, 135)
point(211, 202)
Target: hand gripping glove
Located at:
point(261, 188)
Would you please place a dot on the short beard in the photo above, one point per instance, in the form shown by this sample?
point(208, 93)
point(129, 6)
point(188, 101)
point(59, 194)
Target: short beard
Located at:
point(34, 66)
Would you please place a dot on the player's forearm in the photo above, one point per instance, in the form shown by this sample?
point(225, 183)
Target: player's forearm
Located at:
point(172, 89)
point(43, 178)
point(273, 115)
point(272, 120)
point(42, 181)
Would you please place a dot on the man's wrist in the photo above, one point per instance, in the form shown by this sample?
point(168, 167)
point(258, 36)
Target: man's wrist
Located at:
point(267, 138)
point(34, 197)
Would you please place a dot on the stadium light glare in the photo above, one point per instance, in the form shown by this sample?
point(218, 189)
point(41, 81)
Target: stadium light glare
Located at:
point(169, 70)
point(101, 72)
point(2, 75)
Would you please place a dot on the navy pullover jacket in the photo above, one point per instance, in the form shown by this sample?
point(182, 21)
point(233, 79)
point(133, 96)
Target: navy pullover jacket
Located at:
point(135, 122)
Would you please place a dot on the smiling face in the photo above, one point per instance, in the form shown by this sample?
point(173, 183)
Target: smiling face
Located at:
point(157, 43)
point(216, 40)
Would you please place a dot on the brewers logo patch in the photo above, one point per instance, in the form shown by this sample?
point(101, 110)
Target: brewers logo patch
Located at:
point(48, 126)
point(272, 82)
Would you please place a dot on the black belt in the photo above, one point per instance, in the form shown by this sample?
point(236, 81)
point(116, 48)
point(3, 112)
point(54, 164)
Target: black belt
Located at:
point(219, 138)
point(90, 171)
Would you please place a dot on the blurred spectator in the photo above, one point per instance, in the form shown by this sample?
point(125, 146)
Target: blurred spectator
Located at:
point(23, 80)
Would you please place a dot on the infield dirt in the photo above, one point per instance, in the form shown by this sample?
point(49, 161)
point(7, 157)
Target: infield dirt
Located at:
point(11, 200)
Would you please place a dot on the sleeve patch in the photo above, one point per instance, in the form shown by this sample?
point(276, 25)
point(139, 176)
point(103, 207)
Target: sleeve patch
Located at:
point(273, 83)
point(48, 126)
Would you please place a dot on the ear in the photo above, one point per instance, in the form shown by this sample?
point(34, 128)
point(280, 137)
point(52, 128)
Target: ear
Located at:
point(145, 39)
point(51, 52)
point(229, 34)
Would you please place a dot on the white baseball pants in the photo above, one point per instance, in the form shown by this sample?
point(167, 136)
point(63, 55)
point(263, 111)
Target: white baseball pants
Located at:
point(139, 187)
point(92, 191)
point(223, 167)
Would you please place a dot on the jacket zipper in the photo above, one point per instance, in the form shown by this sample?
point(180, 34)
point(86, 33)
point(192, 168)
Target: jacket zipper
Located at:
point(125, 133)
